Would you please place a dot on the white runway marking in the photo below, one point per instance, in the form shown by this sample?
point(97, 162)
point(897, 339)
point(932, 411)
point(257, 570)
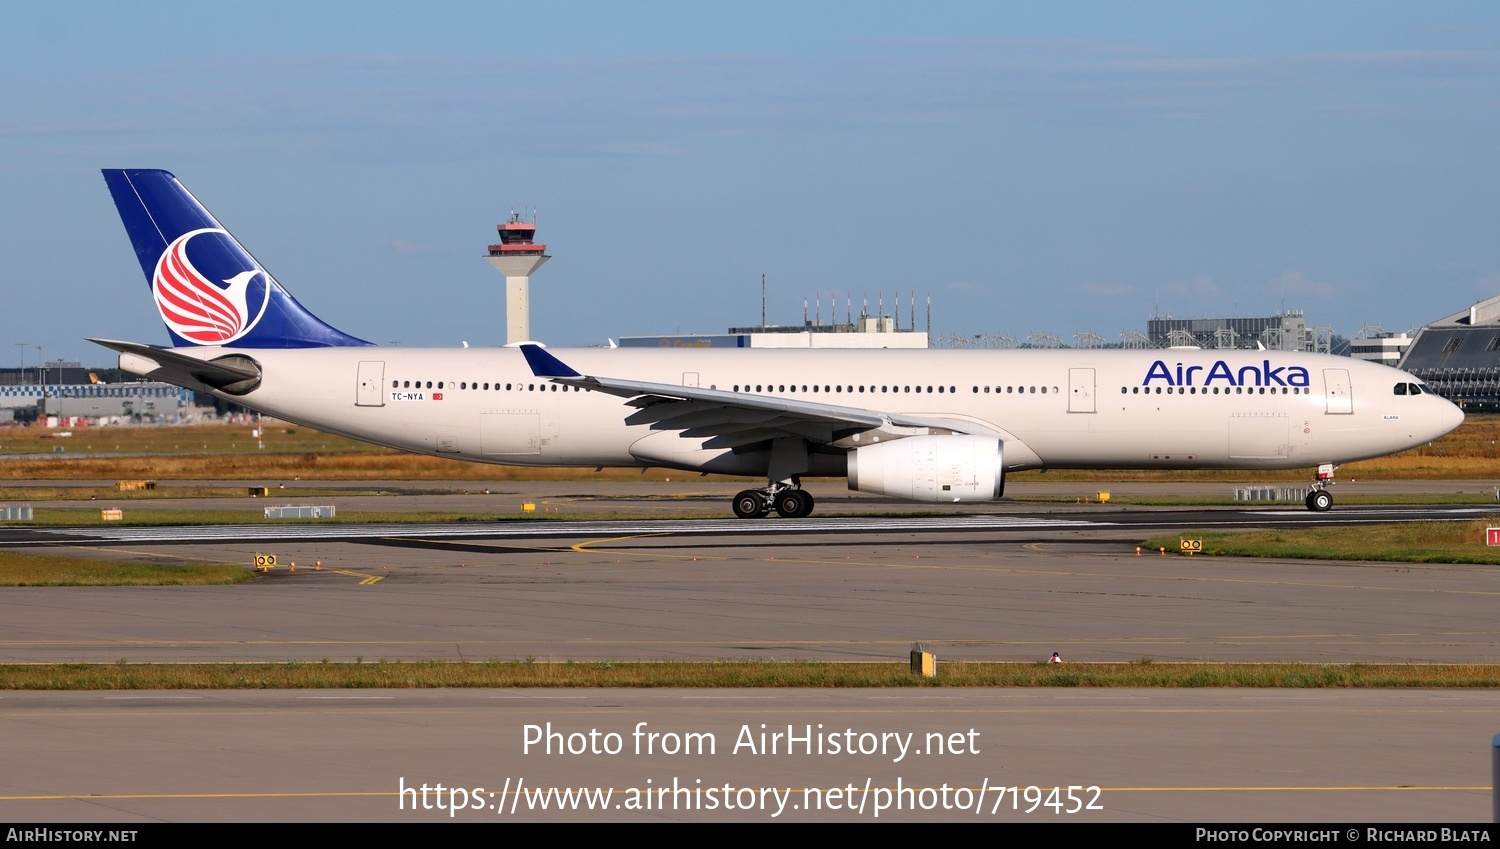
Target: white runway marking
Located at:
point(490, 530)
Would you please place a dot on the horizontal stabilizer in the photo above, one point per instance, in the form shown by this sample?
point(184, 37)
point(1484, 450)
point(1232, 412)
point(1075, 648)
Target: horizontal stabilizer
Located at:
point(235, 373)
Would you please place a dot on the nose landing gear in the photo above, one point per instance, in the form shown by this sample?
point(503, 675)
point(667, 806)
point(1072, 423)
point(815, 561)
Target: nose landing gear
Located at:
point(1320, 500)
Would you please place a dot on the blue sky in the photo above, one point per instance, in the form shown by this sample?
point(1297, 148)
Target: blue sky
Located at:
point(1031, 167)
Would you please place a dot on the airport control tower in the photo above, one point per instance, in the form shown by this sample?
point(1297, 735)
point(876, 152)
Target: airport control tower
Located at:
point(516, 257)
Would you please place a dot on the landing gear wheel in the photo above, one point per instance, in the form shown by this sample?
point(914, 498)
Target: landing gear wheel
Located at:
point(750, 505)
point(1320, 501)
point(794, 504)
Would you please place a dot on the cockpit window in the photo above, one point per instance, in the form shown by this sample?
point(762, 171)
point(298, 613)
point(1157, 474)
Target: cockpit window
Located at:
point(1400, 389)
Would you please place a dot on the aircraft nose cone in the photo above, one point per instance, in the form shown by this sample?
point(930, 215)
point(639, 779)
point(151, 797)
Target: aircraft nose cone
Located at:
point(1451, 417)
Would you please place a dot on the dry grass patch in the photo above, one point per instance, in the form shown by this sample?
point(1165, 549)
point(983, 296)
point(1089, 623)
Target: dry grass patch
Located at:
point(1427, 542)
point(731, 674)
point(21, 569)
point(1472, 451)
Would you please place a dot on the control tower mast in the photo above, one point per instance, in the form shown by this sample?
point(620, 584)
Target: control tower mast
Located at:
point(516, 257)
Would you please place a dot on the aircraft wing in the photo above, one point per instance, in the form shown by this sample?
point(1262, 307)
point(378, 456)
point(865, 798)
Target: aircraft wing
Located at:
point(736, 419)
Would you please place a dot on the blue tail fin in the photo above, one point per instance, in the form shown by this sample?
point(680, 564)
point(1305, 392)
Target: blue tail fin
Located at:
point(208, 288)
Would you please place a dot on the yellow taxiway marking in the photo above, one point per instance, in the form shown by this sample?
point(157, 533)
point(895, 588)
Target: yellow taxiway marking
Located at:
point(1442, 638)
point(95, 796)
point(1353, 788)
point(333, 794)
point(366, 580)
point(584, 546)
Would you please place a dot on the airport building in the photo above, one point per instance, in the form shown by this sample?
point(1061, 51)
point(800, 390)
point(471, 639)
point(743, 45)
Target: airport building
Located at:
point(517, 255)
point(1377, 346)
point(71, 393)
point(1459, 356)
point(868, 332)
point(1284, 331)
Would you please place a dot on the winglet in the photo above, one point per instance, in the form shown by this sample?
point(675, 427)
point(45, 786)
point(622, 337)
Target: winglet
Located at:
point(544, 364)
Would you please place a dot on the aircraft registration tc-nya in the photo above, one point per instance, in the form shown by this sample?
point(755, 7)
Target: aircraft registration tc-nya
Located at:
point(924, 425)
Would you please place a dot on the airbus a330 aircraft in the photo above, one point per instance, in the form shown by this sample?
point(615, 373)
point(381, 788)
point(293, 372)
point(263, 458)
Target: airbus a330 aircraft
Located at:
point(925, 425)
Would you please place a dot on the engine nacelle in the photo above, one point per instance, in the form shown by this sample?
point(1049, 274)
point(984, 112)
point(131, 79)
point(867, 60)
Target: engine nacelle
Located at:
point(931, 468)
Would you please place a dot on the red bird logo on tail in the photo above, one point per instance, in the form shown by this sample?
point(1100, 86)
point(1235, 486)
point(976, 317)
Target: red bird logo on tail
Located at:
point(194, 307)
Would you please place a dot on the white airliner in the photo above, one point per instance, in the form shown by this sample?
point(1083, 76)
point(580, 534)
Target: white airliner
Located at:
point(925, 425)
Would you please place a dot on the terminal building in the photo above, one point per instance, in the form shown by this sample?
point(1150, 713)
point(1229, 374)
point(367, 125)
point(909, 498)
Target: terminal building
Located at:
point(1284, 331)
point(1459, 356)
point(69, 393)
point(866, 331)
point(1375, 345)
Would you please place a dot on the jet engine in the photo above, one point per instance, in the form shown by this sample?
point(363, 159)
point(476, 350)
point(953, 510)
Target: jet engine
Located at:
point(931, 468)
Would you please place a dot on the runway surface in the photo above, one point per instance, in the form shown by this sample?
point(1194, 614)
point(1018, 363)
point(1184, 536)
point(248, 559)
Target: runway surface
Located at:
point(973, 587)
point(1138, 520)
point(993, 584)
point(1237, 756)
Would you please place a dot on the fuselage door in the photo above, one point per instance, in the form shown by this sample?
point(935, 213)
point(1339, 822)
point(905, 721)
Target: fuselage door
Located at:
point(370, 391)
point(690, 378)
point(1336, 387)
point(1080, 390)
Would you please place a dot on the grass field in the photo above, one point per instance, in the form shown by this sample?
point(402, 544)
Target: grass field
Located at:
point(1433, 542)
point(24, 569)
point(522, 673)
point(219, 452)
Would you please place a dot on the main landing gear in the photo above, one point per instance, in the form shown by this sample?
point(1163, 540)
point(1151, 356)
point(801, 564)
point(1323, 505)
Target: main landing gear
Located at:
point(1320, 500)
point(783, 490)
point(788, 502)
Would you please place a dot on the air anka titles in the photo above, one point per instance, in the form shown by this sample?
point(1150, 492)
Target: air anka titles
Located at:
point(924, 425)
